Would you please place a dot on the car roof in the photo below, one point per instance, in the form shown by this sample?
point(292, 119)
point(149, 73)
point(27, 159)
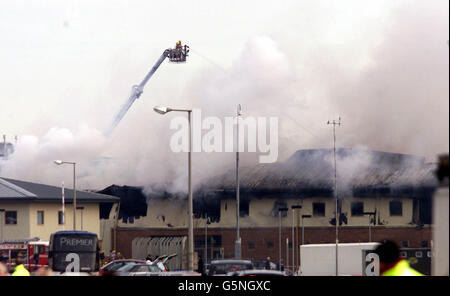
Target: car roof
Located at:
point(265, 271)
point(231, 261)
point(129, 266)
point(124, 260)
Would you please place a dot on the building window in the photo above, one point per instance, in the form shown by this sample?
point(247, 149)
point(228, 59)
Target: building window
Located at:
point(405, 244)
point(270, 245)
point(60, 218)
point(279, 205)
point(10, 217)
point(251, 245)
point(357, 208)
point(319, 209)
point(424, 244)
point(40, 217)
point(244, 208)
point(395, 208)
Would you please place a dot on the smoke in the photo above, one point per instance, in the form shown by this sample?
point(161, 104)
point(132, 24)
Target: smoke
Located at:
point(34, 157)
point(392, 96)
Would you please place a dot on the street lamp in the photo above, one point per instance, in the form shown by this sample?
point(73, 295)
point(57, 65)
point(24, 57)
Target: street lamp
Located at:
point(334, 123)
point(279, 235)
point(1, 224)
point(60, 162)
point(237, 244)
point(294, 242)
point(370, 214)
point(81, 209)
point(303, 227)
point(164, 110)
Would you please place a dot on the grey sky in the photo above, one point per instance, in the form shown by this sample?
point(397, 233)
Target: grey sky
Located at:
point(381, 65)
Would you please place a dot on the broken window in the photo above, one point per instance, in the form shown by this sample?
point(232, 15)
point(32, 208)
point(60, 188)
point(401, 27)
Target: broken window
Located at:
point(244, 208)
point(357, 208)
point(319, 209)
point(279, 205)
point(395, 208)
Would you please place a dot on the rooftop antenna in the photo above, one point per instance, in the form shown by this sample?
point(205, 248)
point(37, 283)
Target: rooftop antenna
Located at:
point(334, 123)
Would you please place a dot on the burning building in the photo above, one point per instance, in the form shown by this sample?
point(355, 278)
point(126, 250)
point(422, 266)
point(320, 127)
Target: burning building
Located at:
point(395, 189)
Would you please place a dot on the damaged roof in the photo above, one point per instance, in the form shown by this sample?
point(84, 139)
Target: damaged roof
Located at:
point(310, 173)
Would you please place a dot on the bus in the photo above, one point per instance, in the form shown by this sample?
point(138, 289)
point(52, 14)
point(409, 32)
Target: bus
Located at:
point(74, 251)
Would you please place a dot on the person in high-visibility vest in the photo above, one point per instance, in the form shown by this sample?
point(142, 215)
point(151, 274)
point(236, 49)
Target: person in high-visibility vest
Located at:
point(20, 269)
point(390, 262)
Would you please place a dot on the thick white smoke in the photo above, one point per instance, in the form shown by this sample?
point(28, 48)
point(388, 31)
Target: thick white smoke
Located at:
point(396, 100)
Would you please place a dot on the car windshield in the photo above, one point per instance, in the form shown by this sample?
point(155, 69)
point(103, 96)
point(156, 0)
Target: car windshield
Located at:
point(117, 265)
point(139, 268)
point(154, 268)
point(127, 267)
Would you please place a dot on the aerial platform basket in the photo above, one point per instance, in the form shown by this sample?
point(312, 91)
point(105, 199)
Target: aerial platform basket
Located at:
point(179, 53)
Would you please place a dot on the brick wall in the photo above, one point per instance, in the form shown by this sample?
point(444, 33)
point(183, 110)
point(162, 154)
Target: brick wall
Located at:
point(258, 243)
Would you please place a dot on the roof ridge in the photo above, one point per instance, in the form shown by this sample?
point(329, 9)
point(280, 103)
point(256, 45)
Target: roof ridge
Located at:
point(16, 188)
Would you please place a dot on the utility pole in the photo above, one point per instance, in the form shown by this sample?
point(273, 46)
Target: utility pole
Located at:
point(237, 247)
point(334, 123)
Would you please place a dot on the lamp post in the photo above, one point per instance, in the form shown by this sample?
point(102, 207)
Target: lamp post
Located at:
point(370, 214)
point(1, 224)
point(334, 123)
point(60, 162)
point(164, 110)
point(279, 235)
point(294, 244)
point(303, 227)
point(81, 209)
point(237, 246)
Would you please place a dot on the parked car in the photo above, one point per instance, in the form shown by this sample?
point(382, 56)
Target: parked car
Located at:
point(257, 272)
point(138, 269)
point(180, 273)
point(223, 267)
point(113, 266)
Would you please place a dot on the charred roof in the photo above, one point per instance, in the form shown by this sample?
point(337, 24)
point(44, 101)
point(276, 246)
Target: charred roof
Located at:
point(310, 173)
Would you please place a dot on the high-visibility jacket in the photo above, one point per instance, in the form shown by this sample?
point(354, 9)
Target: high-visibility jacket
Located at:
point(20, 270)
point(402, 268)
